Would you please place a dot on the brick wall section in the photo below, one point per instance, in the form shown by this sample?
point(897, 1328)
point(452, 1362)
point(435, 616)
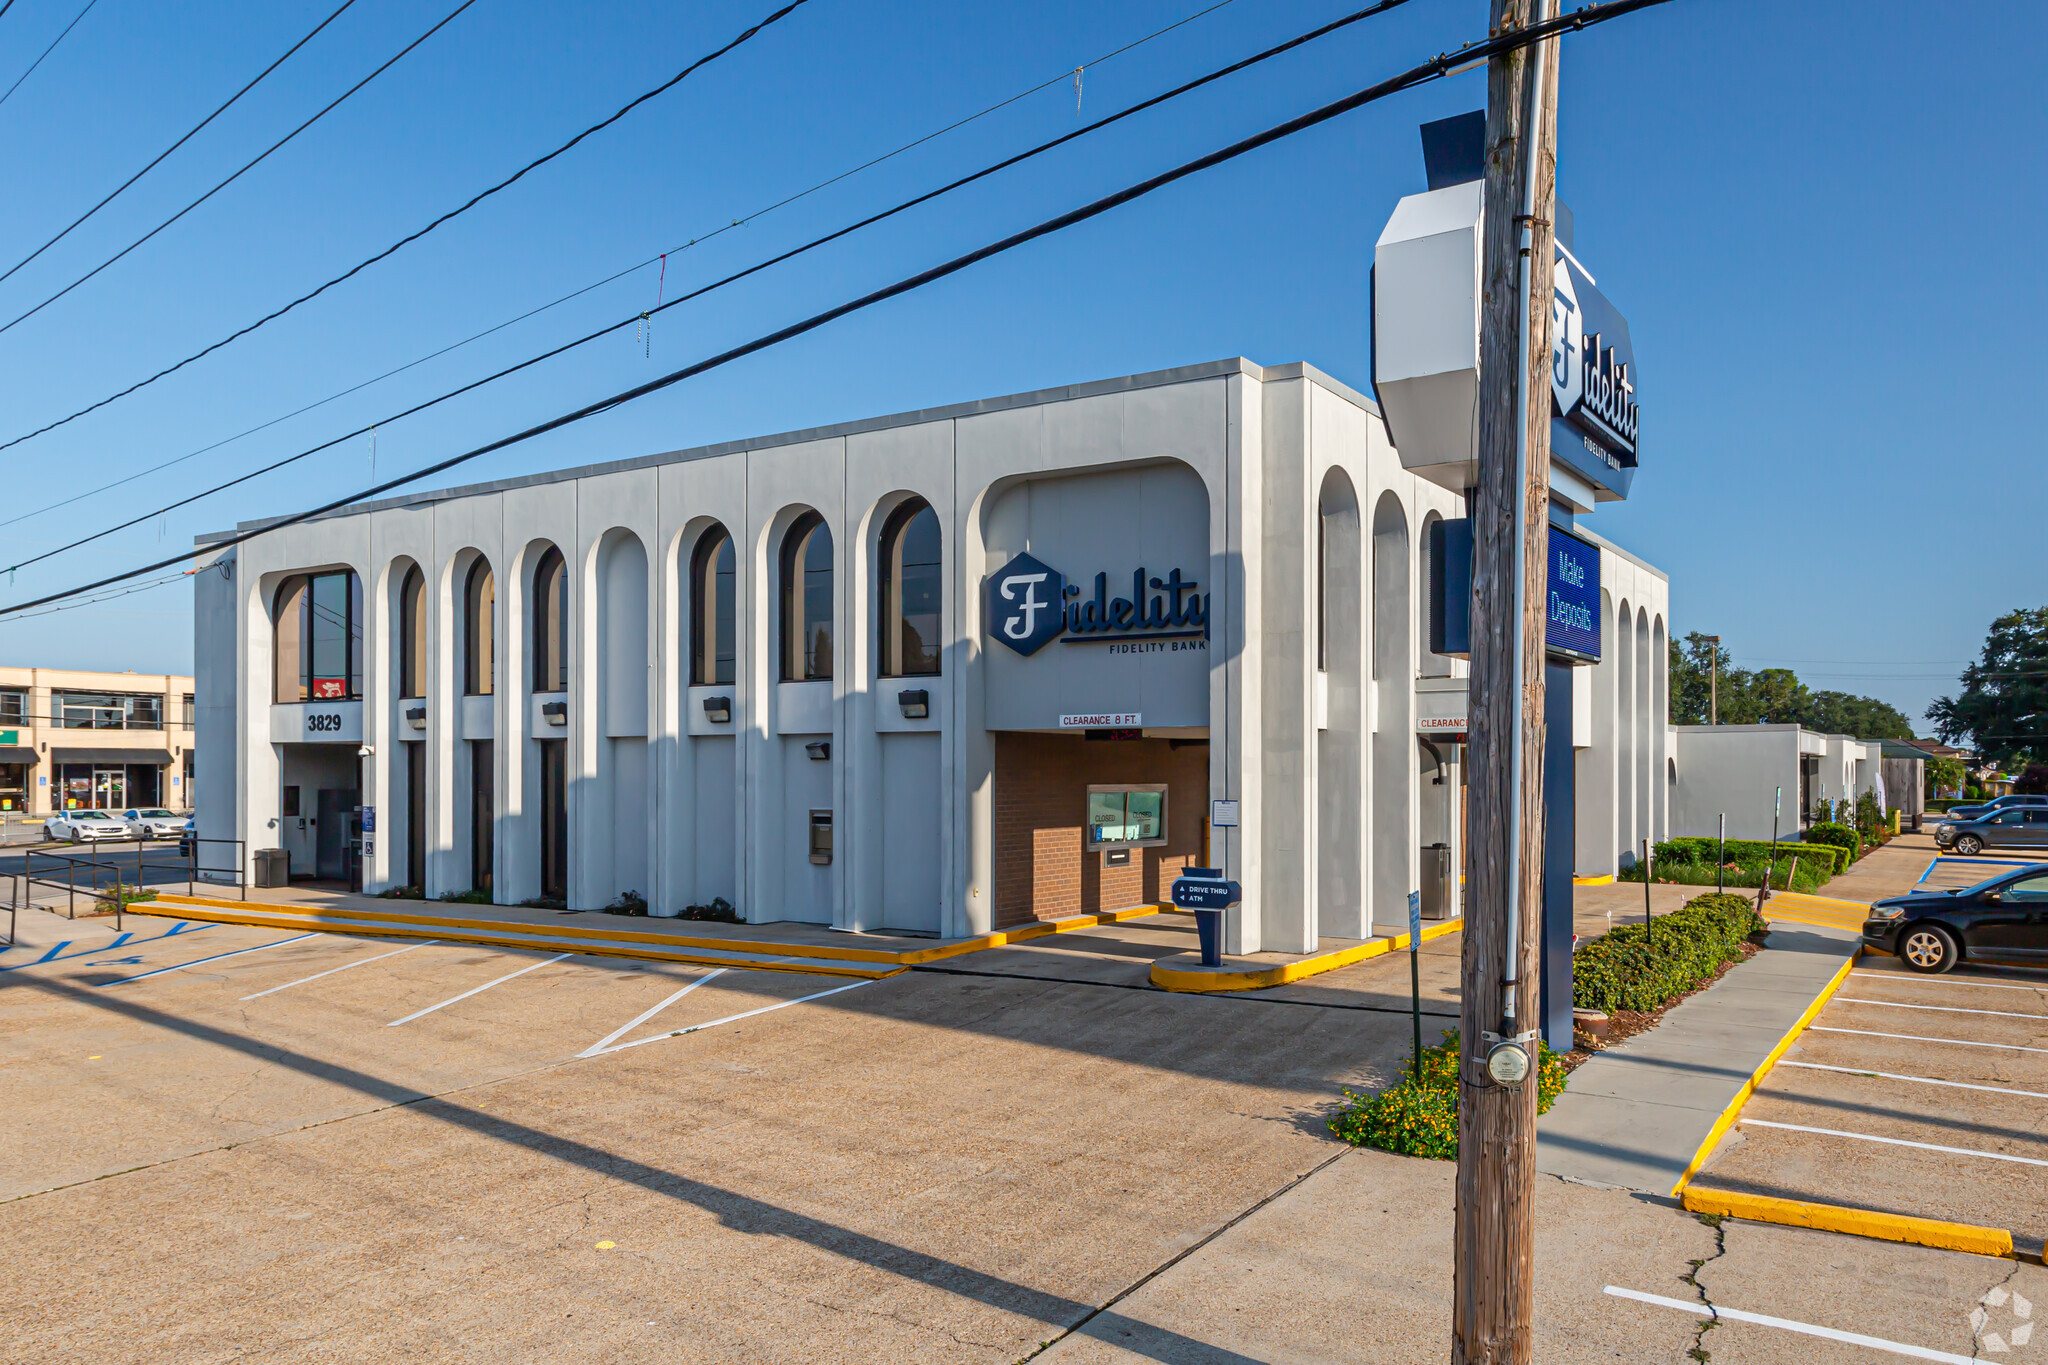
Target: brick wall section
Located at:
point(1042, 870)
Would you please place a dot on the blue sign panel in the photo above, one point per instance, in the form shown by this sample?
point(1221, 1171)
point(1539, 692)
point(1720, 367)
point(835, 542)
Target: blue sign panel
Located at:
point(1026, 604)
point(1571, 622)
point(1192, 893)
point(1592, 381)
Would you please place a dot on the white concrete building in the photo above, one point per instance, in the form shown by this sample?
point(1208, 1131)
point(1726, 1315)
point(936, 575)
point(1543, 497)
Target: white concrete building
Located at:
point(1739, 770)
point(934, 672)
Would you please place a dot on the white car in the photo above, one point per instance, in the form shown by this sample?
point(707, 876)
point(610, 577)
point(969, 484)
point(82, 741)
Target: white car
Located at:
point(153, 822)
point(78, 825)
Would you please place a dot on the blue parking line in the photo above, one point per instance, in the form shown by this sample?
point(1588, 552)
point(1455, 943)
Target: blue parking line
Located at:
point(179, 967)
point(51, 956)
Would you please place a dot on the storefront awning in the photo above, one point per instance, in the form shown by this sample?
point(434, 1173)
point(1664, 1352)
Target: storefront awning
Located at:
point(18, 753)
point(109, 757)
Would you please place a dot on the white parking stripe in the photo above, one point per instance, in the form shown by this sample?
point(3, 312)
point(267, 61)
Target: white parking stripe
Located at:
point(1696, 1308)
point(1917, 1038)
point(342, 968)
point(1952, 981)
point(1897, 1142)
point(1945, 1009)
point(640, 1019)
point(1924, 1080)
point(479, 990)
point(215, 958)
point(734, 1018)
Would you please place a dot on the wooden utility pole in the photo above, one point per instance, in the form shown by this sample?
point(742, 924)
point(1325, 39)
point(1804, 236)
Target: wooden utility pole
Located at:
point(1494, 1296)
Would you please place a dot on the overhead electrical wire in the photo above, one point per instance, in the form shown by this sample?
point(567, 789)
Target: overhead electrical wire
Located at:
point(179, 143)
point(4, 7)
point(46, 51)
point(1434, 69)
point(1182, 89)
point(615, 275)
point(244, 170)
point(402, 242)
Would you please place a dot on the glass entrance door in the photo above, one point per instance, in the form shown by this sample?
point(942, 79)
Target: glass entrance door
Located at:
point(109, 788)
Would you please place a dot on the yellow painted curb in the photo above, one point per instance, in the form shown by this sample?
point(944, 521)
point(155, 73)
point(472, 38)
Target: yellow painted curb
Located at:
point(1806, 900)
point(311, 925)
point(1734, 1109)
point(660, 947)
point(1890, 1227)
point(1258, 978)
point(1607, 880)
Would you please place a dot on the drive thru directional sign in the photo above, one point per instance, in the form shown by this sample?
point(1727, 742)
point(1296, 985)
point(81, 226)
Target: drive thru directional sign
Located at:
point(1198, 892)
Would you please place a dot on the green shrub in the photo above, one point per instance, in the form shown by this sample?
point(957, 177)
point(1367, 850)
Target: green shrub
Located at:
point(1634, 967)
point(1838, 836)
point(1870, 817)
point(720, 911)
point(467, 898)
point(1800, 867)
point(119, 896)
point(1420, 1118)
point(1694, 849)
point(628, 903)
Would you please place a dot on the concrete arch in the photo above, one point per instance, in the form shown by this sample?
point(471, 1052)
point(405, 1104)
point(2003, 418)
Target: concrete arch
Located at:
point(1394, 750)
point(469, 845)
point(403, 749)
point(1340, 615)
point(1625, 760)
point(1595, 838)
point(612, 826)
point(700, 829)
point(1647, 769)
point(1660, 728)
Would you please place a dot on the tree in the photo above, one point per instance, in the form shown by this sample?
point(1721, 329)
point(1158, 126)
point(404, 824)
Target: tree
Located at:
point(1946, 773)
point(1769, 696)
point(2003, 706)
point(2032, 782)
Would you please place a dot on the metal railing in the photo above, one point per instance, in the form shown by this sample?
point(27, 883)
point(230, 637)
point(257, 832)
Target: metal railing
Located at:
point(100, 877)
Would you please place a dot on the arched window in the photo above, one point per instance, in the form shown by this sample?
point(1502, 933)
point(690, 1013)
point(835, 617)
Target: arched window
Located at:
point(318, 625)
point(551, 623)
point(912, 589)
point(713, 653)
point(412, 634)
point(479, 612)
point(807, 601)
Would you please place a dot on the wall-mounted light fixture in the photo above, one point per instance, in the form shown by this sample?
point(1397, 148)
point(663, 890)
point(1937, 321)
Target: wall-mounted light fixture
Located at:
point(416, 717)
point(820, 749)
point(916, 703)
point(718, 710)
point(554, 712)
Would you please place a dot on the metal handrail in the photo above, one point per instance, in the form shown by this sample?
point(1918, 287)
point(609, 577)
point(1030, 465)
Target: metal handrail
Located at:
point(188, 863)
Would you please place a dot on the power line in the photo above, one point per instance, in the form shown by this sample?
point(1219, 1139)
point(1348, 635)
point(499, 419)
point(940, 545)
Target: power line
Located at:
point(245, 169)
point(46, 51)
point(4, 7)
point(179, 143)
point(1434, 69)
point(402, 242)
point(702, 290)
point(618, 274)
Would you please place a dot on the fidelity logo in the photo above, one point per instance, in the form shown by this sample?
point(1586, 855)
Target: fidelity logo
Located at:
point(1029, 603)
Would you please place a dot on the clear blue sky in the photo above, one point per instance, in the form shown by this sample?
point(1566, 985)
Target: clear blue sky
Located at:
point(1813, 215)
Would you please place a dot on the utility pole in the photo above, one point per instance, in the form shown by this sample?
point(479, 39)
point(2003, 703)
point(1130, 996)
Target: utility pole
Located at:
point(1713, 680)
point(1494, 1250)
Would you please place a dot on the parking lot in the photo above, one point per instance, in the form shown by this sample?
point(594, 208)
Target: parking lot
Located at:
point(1910, 1094)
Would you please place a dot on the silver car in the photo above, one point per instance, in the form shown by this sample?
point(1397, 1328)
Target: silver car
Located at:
point(153, 822)
point(79, 826)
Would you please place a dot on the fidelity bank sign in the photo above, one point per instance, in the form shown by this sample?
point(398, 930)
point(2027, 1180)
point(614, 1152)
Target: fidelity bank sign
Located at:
point(1028, 604)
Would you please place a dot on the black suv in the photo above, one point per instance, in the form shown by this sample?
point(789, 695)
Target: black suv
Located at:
point(2003, 920)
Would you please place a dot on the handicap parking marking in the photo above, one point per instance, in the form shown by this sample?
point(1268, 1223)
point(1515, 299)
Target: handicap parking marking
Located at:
point(200, 961)
point(1895, 1142)
point(1919, 1038)
point(53, 954)
point(1923, 1080)
point(1720, 1313)
point(604, 1044)
point(479, 990)
point(1945, 1009)
point(359, 962)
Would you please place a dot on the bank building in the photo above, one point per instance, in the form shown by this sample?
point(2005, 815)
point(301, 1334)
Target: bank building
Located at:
point(951, 670)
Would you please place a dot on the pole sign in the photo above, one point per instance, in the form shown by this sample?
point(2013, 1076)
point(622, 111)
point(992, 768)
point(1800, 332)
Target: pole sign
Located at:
point(1204, 888)
point(1414, 920)
point(1594, 417)
point(1571, 622)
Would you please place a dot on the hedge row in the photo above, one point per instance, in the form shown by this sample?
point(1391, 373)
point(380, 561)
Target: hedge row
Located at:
point(1638, 967)
point(1701, 850)
point(1844, 837)
point(1420, 1118)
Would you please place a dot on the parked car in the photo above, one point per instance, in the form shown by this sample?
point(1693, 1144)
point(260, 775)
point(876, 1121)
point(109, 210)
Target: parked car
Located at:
point(2002, 920)
point(148, 822)
point(79, 826)
point(187, 836)
point(1997, 803)
point(2012, 827)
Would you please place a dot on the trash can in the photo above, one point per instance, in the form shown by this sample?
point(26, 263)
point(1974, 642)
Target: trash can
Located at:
point(1437, 883)
point(273, 867)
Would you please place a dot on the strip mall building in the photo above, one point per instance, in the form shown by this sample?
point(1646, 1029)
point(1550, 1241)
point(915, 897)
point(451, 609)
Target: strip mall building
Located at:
point(937, 672)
